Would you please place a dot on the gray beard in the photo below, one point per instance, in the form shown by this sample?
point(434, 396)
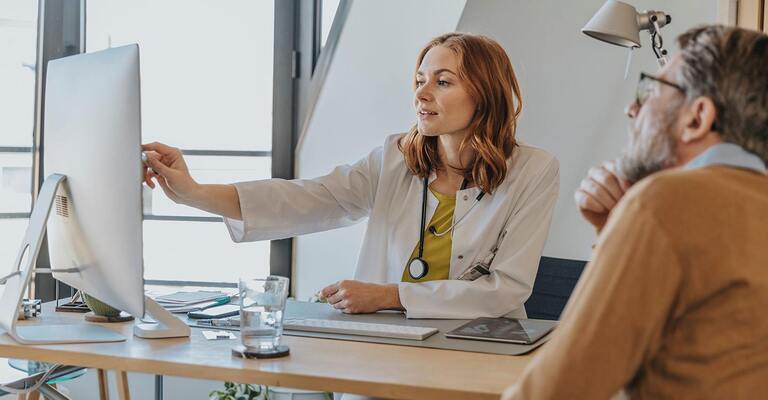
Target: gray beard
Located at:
point(647, 154)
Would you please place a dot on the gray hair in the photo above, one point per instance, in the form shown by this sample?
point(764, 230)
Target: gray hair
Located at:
point(730, 66)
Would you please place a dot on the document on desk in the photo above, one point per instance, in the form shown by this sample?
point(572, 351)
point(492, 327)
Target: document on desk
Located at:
point(197, 306)
point(195, 300)
point(186, 298)
point(218, 335)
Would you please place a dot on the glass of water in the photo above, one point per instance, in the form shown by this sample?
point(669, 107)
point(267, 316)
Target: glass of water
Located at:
point(262, 302)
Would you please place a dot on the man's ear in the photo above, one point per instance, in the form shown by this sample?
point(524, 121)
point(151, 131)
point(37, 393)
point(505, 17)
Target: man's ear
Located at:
point(700, 114)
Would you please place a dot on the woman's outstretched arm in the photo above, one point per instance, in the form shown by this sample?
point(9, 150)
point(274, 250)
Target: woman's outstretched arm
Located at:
point(166, 165)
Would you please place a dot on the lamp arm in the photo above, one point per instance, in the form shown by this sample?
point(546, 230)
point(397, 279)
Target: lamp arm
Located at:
point(657, 42)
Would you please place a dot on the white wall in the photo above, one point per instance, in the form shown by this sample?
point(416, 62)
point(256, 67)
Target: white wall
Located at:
point(573, 89)
point(367, 96)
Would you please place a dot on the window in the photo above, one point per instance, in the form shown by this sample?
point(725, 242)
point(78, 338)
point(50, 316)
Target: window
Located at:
point(225, 82)
point(18, 39)
point(207, 86)
point(328, 13)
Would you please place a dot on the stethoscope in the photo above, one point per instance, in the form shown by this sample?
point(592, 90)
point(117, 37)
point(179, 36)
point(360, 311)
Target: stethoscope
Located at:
point(417, 266)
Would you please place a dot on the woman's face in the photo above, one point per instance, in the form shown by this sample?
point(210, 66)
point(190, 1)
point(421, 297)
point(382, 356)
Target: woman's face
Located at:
point(443, 105)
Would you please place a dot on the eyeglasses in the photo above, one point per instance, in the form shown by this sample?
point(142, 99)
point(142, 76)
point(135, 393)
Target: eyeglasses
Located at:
point(647, 85)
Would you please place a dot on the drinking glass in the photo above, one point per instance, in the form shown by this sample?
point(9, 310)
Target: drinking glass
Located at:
point(262, 302)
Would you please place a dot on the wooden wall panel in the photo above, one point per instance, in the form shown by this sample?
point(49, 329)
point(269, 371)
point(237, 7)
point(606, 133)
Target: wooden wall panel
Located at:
point(749, 14)
point(727, 12)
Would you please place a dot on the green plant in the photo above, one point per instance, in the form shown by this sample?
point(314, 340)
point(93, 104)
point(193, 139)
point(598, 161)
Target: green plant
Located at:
point(99, 307)
point(244, 391)
point(240, 391)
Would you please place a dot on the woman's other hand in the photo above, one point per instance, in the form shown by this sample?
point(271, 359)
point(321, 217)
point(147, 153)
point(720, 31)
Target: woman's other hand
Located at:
point(166, 165)
point(357, 297)
point(599, 193)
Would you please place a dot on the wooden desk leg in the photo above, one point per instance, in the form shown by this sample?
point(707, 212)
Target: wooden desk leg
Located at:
point(122, 385)
point(32, 395)
point(103, 384)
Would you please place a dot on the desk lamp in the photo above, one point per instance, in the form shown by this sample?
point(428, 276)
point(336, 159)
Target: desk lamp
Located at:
point(620, 24)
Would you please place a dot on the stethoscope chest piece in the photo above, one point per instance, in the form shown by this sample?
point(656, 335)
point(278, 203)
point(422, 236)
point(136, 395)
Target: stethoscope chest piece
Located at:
point(417, 268)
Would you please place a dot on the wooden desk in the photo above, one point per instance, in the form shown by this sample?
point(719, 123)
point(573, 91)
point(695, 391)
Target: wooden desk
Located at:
point(378, 370)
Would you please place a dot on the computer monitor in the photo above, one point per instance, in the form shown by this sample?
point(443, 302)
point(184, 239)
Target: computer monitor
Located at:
point(93, 136)
point(92, 157)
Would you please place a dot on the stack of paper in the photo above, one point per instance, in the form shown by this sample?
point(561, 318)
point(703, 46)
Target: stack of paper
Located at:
point(184, 302)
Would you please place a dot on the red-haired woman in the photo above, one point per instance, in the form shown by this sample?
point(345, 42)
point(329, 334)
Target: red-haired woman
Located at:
point(458, 210)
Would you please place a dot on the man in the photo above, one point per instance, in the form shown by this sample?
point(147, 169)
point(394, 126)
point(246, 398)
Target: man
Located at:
point(674, 303)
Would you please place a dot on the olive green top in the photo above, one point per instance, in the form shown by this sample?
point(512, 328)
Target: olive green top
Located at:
point(437, 250)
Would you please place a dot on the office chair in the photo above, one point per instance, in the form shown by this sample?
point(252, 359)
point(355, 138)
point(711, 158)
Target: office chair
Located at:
point(38, 371)
point(554, 284)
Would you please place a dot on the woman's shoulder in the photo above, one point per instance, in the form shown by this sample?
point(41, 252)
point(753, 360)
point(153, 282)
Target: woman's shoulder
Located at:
point(391, 149)
point(532, 157)
point(384, 152)
point(530, 166)
point(392, 140)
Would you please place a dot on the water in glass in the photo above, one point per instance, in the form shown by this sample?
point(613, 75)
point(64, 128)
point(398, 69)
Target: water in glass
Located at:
point(261, 312)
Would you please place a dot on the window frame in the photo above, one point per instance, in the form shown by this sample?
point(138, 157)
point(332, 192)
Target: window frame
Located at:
point(299, 68)
point(16, 150)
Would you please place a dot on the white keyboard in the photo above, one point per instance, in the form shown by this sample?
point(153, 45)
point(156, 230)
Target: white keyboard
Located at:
point(359, 328)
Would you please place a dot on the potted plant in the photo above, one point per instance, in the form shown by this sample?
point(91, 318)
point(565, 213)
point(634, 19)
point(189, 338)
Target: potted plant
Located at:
point(240, 391)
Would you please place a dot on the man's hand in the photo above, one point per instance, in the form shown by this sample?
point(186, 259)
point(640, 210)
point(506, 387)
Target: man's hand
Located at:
point(356, 297)
point(599, 193)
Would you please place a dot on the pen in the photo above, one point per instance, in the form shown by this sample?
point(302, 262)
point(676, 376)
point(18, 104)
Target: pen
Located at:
point(215, 302)
point(219, 322)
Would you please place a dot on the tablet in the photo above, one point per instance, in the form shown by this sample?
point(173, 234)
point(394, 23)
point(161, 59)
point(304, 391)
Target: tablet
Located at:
point(508, 330)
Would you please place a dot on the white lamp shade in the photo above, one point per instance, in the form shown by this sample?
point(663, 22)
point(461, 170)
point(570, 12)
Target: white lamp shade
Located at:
point(615, 23)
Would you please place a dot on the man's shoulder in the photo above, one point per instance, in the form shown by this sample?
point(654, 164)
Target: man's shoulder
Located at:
point(669, 186)
point(684, 189)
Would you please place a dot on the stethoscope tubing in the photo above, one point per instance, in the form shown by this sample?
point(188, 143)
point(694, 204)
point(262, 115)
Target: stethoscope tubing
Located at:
point(423, 216)
point(423, 227)
point(434, 231)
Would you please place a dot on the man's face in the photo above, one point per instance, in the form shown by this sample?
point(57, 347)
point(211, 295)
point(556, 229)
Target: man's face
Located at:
point(654, 128)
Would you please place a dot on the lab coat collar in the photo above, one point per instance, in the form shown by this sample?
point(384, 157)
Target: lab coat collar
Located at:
point(473, 191)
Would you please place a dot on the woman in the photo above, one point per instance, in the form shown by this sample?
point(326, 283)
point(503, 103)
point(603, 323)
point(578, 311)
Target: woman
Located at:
point(455, 191)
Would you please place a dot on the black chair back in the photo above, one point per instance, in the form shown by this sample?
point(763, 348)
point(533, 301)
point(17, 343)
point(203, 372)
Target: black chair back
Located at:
point(554, 283)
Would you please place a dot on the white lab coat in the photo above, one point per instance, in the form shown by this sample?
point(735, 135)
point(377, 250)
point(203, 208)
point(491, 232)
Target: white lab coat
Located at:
point(381, 188)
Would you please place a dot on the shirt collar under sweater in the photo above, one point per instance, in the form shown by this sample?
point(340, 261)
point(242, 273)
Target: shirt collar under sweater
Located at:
point(728, 154)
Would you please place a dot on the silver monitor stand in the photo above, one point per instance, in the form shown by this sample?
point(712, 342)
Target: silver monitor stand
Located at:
point(18, 280)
